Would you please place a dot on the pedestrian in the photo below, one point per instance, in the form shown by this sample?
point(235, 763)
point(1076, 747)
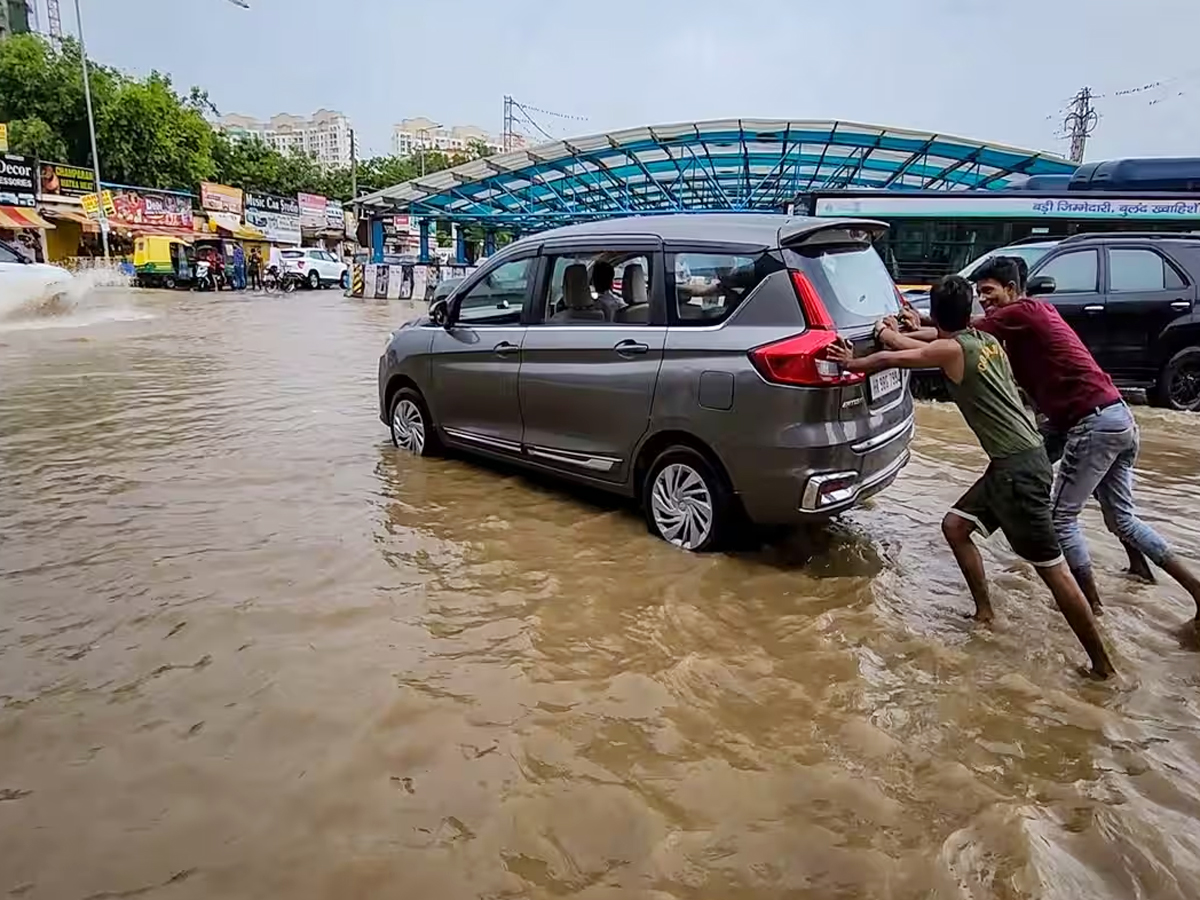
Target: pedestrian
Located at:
point(239, 268)
point(1014, 492)
point(255, 269)
point(1100, 438)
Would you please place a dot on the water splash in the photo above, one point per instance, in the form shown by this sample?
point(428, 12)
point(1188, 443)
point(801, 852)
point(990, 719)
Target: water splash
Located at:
point(45, 297)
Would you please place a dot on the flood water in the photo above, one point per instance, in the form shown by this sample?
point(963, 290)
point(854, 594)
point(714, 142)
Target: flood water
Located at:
point(249, 651)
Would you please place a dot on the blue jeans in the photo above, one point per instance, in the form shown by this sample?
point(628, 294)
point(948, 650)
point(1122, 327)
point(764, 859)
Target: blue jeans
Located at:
point(1098, 459)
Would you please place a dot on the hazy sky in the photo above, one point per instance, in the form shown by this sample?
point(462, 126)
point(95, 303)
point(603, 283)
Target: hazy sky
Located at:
point(999, 71)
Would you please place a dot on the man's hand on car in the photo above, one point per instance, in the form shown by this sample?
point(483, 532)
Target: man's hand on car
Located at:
point(910, 319)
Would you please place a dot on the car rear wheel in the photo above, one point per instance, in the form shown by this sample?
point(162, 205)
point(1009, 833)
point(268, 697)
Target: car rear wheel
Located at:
point(1179, 385)
point(687, 502)
point(412, 428)
point(314, 280)
point(345, 282)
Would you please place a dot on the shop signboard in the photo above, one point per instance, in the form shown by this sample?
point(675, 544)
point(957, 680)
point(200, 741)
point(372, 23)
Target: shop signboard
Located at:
point(63, 180)
point(278, 218)
point(220, 198)
point(312, 210)
point(3, 137)
point(335, 217)
point(91, 206)
point(18, 181)
point(147, 207)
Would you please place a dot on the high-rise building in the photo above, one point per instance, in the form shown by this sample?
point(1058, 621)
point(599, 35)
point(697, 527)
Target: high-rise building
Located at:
point(414, 135)
point(325, 135)
point(14, 17)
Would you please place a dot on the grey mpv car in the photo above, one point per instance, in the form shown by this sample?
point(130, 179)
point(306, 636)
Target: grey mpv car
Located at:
point(698, 386)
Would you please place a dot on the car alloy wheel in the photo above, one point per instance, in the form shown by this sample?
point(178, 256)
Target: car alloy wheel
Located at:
point(1185, 386)
point(408, 427)
point(682, 506)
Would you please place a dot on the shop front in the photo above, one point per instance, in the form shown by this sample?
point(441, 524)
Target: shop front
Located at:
point(20, 222)
point(62, 188)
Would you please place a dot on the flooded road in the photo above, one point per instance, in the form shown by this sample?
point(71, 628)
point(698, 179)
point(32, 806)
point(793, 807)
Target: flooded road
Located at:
point(249, 651)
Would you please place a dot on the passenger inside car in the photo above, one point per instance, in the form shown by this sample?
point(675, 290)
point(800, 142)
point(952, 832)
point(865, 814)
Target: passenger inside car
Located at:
point(602, 280)
point(579, 306)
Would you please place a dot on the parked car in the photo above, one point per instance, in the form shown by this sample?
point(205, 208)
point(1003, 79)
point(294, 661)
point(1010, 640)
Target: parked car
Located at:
point(23, 281)
point(706, 399)
point(1132, 298)
point(317, 268)
point(1031, 250)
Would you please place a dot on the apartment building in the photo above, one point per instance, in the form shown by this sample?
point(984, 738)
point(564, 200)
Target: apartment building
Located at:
point(324, 136)
point(413, 135)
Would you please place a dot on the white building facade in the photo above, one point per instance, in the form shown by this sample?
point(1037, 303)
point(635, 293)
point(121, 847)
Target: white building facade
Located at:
point(414, 135)
point(325, 136)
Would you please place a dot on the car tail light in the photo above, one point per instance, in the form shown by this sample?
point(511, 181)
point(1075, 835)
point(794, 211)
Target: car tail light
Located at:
point(800, 360)
point(815, 312)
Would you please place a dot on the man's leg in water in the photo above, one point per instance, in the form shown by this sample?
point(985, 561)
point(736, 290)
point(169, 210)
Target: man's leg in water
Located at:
point(957, 530)
point(1115, 494)
point(1087, 456)
point(1077, 612)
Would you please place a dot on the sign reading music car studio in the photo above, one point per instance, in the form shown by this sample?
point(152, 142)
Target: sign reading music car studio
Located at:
point(18, 181)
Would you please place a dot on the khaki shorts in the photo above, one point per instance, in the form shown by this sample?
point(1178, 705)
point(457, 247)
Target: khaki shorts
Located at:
point(1014, 496)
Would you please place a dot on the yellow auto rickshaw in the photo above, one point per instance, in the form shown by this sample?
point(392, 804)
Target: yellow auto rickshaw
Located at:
point(163, 261)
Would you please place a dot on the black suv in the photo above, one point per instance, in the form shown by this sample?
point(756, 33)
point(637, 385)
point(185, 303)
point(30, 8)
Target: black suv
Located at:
point(1132, 298)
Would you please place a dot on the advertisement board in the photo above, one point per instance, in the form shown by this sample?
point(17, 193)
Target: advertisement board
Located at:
point(312, 210)
point(276, 217)
point(220, 198)
point(335, 217)
point(91, 206)
point(18, 181)
point(147, 207)
point(63, 180)
point(982, 204)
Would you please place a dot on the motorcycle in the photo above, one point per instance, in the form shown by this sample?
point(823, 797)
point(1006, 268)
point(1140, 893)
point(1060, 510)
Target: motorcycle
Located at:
point(274, 281)
point(205, 280)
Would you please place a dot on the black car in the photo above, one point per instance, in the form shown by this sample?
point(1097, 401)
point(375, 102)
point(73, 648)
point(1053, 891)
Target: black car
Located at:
point(1132, 298)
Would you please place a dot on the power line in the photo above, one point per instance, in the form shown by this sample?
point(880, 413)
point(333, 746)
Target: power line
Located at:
point(516, 113)
point(1080, 121)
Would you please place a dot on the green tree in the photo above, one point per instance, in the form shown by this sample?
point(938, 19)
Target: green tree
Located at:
point(33, 137)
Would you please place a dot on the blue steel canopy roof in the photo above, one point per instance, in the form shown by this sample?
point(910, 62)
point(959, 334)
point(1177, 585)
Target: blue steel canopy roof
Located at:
point(722, 165)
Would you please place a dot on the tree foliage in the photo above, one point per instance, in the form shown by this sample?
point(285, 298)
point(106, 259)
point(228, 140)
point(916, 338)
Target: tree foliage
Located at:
point(150, 135)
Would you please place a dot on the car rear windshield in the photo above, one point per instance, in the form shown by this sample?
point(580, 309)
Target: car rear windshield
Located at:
point(293, 254)
point(851, 279)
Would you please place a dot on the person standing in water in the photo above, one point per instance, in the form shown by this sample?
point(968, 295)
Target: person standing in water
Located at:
point(1014, 492)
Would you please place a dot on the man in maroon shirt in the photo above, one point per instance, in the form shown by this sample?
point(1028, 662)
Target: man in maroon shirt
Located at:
point(1056, 371)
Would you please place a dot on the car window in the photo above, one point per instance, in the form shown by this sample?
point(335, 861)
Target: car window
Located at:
point(710, 286)
point(293, 254)
point(1140, 270)
point(1031, 253)
point(597, 288)
point(499, 297)
point(852, 281)
point(7, 255)
point(1073, 272)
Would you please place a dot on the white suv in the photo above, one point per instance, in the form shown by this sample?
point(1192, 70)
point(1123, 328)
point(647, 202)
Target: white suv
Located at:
point(316, 267)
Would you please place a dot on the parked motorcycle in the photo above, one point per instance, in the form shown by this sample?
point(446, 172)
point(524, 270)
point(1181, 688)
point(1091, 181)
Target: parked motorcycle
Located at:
point(205, 280)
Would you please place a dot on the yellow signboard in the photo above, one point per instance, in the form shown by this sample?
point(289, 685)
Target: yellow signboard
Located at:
point(92, 208)
point(3, 137)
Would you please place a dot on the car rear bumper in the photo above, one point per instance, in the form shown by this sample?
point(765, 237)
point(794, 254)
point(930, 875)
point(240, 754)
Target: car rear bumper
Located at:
point(800, 485)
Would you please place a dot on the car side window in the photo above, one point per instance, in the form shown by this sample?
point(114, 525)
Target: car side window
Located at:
point(1140, 270)
point(499, 297)
point(590, 288)
point(9, 256)
point(1073, 273)
point(710, 286)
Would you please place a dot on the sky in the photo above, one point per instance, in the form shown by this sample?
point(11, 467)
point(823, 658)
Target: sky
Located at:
point(998, 71)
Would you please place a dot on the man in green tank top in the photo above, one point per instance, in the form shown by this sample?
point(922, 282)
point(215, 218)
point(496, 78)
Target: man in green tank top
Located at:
point(1014, 492)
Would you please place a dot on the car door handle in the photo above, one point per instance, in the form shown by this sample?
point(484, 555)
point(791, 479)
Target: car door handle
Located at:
point(1094, 308)
point(1181, 304)
point(631, 348)
point(504, 348)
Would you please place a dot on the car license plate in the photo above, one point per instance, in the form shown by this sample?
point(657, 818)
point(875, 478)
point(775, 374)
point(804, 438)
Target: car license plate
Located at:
point(886, 382)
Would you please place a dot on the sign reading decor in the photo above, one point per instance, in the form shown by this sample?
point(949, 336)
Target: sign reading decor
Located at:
point(278, 218)
point(18, 181)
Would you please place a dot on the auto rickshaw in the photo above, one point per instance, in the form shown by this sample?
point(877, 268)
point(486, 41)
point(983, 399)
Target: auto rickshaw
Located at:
point(161, 261)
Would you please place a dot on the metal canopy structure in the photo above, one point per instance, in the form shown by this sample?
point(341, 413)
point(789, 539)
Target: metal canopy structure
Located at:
point(733, 165)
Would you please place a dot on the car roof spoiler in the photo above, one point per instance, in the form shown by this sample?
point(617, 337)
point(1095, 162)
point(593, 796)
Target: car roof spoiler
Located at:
point(796, 232)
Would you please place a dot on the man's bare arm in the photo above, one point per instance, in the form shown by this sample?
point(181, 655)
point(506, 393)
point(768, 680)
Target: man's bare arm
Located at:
point(941, 354)
point(908, 340)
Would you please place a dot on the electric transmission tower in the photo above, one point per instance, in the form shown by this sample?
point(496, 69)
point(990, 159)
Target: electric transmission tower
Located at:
point(1080, 122)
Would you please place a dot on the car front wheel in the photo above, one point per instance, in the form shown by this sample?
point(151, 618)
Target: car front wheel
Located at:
point(1179, 385)
point(687, 502)
point(412, 428)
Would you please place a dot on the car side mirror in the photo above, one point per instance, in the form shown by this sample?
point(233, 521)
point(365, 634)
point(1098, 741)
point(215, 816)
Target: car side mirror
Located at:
point(439, 313)
point(1040, 285)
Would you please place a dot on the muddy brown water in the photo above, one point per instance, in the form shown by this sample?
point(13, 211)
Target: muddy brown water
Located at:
point(249, 651)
